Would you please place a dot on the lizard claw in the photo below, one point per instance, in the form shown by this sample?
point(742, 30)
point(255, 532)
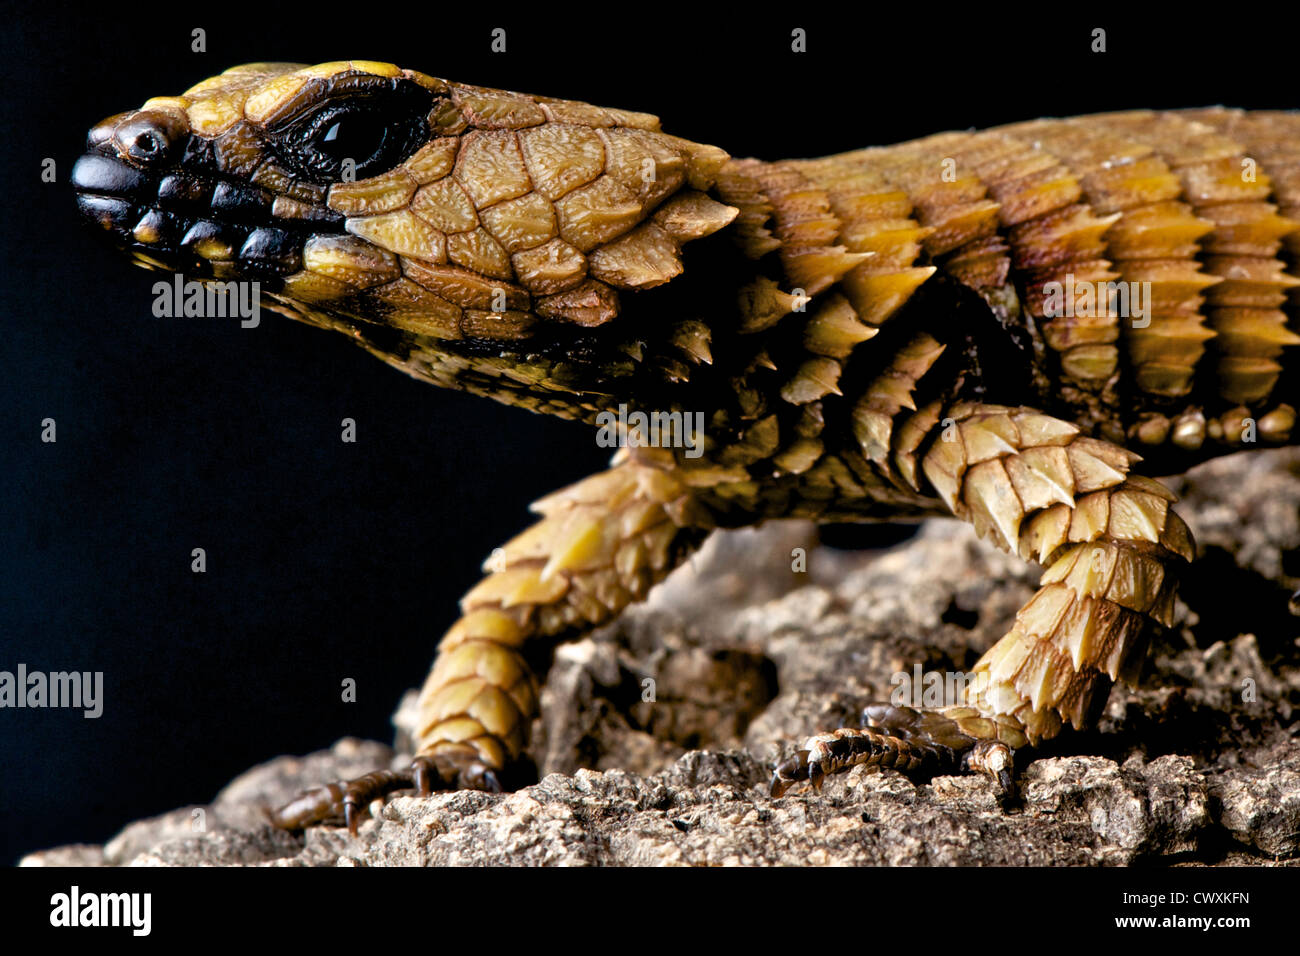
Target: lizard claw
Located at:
point(348, 802)
point(995, 760)
point(790, 772)
point(816, 775)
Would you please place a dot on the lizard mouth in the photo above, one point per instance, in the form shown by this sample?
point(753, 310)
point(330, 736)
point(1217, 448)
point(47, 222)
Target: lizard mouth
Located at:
point(159, 195)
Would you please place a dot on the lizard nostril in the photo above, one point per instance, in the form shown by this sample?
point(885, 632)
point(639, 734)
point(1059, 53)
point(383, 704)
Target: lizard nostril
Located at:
point(102, 132)
point(149, 138)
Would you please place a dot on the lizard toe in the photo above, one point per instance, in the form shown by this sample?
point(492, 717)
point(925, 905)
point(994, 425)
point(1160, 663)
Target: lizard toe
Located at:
point(347, 802)
point(905, 739)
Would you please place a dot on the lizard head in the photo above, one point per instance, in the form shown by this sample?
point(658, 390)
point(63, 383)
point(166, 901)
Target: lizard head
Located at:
point(477, 238)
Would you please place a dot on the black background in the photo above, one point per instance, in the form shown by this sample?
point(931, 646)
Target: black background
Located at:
point(329, 560)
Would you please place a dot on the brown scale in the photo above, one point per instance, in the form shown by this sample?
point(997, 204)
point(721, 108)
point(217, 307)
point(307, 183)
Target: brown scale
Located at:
point(779, 462)
point(876, 219)
point(1242, 249)
point(875, 222)
point(539, 252)
point(848, 246)
point(818, 331)
point(1272, 139)
point(834, 222)
point(988, 204)
point(1154, 240)
point(1050, 235)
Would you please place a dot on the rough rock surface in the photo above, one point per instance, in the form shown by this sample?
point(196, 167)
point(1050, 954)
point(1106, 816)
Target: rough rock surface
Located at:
point(1200, 765)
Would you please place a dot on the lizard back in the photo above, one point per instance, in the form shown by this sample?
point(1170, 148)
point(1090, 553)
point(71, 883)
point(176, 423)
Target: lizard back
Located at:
point(1131, 273)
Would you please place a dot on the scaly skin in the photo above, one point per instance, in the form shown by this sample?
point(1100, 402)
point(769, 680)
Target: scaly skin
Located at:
point(868, 335)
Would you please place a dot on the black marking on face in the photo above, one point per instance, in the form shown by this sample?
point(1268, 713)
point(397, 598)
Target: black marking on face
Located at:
point(376, 122)
point(163, 191)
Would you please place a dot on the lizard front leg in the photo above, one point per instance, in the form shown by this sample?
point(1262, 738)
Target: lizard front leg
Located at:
point(600, 546)
point(1111, 545)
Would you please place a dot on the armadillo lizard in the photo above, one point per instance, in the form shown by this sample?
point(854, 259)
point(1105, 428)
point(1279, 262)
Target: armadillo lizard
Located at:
point(942, 327)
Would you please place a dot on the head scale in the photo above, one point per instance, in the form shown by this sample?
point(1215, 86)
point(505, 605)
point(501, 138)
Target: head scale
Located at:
point(434, 223)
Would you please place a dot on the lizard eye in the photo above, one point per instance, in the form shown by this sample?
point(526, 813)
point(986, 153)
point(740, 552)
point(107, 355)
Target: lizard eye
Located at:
point(375, 129)
point(353, 134)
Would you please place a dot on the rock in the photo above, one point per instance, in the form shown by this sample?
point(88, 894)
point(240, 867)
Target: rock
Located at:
point(1261, 808)
point(660, 731)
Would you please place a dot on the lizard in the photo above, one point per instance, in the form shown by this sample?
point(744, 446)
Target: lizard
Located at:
point(996, 326)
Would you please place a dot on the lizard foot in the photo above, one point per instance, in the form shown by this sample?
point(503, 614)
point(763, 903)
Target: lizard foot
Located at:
point(908, 740)
point(348, 801)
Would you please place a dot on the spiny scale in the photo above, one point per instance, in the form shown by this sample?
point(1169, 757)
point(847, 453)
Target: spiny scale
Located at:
point(869, 335)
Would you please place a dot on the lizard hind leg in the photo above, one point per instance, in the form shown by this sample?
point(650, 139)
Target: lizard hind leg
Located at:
point(1112, 546)
point(600, 545)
